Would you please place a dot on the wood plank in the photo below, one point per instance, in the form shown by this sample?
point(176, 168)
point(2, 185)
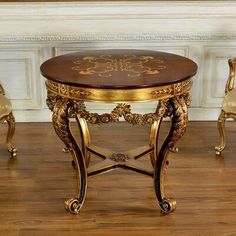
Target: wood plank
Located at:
point(34, 186)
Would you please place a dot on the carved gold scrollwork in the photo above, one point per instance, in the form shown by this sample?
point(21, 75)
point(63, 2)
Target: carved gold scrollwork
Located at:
point(181, 116)
point(176, 108)
point(60, 120)
point(162, 91)
point(119, 157)
point(51, 100)
point(129, 95)
point(72, 205)
point(61, 125)
point(121, 110)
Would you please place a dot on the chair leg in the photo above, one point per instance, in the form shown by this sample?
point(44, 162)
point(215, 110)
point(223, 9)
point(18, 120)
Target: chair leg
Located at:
point(11, 130)
point(221, 128)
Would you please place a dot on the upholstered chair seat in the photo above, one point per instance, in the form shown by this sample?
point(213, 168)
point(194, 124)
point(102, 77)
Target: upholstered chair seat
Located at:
point(5, 106)
point(7, 116)
point(229, 105)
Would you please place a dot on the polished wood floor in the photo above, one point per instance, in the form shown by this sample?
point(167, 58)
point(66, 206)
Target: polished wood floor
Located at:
point(34, 186)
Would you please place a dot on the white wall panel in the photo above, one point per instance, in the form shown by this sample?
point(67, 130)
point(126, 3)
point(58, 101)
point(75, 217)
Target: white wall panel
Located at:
point(19, 75)
point(31, 33)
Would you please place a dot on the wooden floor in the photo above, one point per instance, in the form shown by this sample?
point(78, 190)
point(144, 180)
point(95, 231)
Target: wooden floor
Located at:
point(34, 186)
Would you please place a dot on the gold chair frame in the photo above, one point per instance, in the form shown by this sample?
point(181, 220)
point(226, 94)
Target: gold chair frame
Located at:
point(10, 119)
point(225, 115)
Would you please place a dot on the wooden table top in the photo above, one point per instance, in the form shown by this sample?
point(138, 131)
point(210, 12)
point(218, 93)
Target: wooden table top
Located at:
point(118, 69)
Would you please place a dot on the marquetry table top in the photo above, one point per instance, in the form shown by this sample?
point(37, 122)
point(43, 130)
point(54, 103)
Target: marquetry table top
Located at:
point(118, 69)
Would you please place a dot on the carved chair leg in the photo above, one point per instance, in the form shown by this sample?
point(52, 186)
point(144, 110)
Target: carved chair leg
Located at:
point(221, 128)
point(178, 128)
point(62, 128)
point(11, 130)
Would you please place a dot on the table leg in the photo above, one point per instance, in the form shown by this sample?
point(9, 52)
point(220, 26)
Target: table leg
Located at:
point(155, 128)
point(62, 127)
point(179, 115)
point(85, 138)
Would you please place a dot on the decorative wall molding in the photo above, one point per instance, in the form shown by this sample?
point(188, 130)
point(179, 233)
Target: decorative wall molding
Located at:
point(20, 77)
point(119, 10)
point(97, 37)
point(31, 33)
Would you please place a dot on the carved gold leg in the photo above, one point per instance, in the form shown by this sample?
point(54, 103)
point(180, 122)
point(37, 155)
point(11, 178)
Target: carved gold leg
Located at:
point(85, 138)
point(221, 128)
point(62, 128)
point(11, 130)
point(179, 117)
point(155, 128)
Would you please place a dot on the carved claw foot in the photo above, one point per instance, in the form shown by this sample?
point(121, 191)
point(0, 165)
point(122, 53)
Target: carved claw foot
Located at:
point(13, 151)
point(167, 206)
point(73, 205)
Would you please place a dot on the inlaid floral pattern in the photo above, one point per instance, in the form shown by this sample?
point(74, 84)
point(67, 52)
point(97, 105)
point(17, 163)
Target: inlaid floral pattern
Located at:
point(107, 65)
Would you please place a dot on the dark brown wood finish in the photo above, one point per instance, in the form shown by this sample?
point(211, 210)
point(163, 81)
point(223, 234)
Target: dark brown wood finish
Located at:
point(119, 203)
point(123, 69)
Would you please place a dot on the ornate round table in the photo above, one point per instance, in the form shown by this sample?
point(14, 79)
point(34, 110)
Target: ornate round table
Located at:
point(120, 77)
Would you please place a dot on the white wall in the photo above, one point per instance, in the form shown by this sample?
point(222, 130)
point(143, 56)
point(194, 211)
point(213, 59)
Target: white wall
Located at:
point(30, 33)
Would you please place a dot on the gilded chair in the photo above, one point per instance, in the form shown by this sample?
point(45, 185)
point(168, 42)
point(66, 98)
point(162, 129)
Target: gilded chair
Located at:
point(7, 116)
point(229, 105)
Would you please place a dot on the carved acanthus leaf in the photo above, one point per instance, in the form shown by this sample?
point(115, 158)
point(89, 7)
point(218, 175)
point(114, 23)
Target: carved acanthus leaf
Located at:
point(61, 121)
point(180, 117)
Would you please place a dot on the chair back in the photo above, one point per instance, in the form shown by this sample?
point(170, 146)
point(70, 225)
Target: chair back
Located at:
point(2, 90)
point(232, 74)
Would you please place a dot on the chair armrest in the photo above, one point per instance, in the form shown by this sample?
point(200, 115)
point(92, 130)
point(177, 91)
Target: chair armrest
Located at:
point(232, 71)
point(2, 90)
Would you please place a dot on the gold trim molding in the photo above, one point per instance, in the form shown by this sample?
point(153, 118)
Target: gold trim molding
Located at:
point(118, 95)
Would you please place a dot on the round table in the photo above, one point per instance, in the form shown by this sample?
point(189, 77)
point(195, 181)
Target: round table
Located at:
point(121, 77)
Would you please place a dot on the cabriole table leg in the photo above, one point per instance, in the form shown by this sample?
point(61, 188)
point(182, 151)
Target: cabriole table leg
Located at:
point(62, 127)
point(177, 109)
